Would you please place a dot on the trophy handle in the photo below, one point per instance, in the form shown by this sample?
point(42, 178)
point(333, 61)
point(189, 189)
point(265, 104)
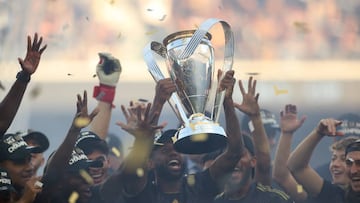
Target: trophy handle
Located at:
point(228, 55)
point(157, 75)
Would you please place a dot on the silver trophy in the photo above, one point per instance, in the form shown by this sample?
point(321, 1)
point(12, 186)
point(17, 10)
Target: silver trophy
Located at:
point(190, 62)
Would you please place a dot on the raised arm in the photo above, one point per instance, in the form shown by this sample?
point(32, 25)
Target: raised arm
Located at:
point(289, 123)
point(250, 107)
point(108, 71)
point(60, 159)
point(10, 104)
point(226, 162)
point(298, 162)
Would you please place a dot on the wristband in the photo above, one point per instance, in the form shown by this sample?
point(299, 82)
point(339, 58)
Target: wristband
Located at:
point(23, 76)
point(104, 93)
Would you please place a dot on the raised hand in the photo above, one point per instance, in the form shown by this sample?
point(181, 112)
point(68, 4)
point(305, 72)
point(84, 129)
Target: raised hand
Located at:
point(328, 127)
point(33, 54)
point(82, 117)
point(249, 103)
point(289, 122)
point(164, 89)
point(139, 122)
point(227, 82)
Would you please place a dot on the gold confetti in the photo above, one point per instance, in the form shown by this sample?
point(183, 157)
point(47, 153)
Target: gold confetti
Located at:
point(2, 87)
point(151, 32)
point(253, 73)
point(115, 151)
point(35, 92)
point(86, 176)
point(280, 91)
point(175, 201)
point(174, 139)
point(190, 179)
point(81, 122)
point(162, 18)
point(299, 189)
point(73, 197)
point(119, 35)
point(301, 27)
point(112, 2)
point(140, 172)
point(199, 137)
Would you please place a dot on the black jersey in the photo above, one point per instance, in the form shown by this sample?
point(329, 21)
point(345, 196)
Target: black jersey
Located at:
point(258, 193)
point(196, 188)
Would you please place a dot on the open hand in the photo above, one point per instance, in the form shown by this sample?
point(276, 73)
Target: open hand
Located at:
point(289, 122)
point(33, 54)
point(249, 103)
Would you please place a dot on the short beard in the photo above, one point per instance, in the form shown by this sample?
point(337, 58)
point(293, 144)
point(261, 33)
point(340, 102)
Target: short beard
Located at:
point(231, 186)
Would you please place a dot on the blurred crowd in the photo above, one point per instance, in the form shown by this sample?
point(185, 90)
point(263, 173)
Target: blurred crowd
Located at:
point(264, 29)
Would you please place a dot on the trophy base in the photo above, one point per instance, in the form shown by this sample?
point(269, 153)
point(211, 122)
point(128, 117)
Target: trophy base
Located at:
point(200, 138)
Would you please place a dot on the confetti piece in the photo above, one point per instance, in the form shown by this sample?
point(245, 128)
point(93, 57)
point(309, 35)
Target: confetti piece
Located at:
point(175, 201)
point(299, 189)
point(112, 2)
point(174, 139)
point(38, 184)
point(2, 87)
point(149, 9)
point(199, 137)
point(253, 73)
point(81, 122)
point(35, 92)
point(162, 18)
point(151, 32)
point(87, 18)
point(86, 176)
point(69, 74)
point(280, 91)
point(94, 76)
point(119, 35)
point(140, 172)
point(190, 179)
point(73, 197)
point(301, 27)
point(115, 151)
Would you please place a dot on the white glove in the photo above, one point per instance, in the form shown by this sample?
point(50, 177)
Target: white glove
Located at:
point(108, 69)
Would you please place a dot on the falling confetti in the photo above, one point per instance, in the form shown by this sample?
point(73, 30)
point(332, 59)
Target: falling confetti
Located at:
point(175, 201)
point(86, 177)
point(87, 18)
point(199, 137)
point(149, 9)
point(302, 27)
point(73, 197)
point(162, 18)
point(253, 73)
point(140, 172)
point(119, 35)
point(299, 189)
point(81, 122)
point(280, 91)
point(115, 151)
point(94, 76)
point(174, 139)
point(112, 2)
point(2, 87)
point(35, 92)
point(151, 32)
point(190, 179)
point(69, 74)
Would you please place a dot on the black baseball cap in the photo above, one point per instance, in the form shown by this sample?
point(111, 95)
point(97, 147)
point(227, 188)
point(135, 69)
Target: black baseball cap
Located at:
point(39, 138)
point(14, 148)
point(88, 141)
point(79, 161)
point(167, 136)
